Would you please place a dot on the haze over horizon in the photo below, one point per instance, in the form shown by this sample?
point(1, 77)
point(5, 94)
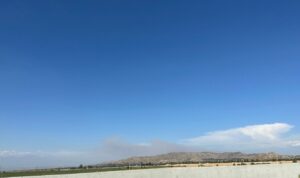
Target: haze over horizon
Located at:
point(83, 82)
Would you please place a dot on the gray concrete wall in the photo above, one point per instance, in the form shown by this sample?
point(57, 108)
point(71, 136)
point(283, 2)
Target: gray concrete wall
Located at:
point(291, 170)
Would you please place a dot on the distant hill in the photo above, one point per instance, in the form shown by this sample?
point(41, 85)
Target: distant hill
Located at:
point(196, 157)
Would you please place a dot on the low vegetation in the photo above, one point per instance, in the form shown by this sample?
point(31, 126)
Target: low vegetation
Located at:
point(72, 170)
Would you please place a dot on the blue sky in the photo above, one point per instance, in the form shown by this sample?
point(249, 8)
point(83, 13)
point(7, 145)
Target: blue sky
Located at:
point(75, 73)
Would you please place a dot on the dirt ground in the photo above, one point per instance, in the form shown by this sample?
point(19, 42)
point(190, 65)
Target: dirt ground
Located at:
point(228, 164)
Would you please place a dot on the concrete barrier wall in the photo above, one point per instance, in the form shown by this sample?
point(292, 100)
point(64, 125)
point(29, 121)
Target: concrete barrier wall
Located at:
point(248, 171)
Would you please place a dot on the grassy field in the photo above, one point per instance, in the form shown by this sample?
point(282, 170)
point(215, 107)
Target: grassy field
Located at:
point(69, 171)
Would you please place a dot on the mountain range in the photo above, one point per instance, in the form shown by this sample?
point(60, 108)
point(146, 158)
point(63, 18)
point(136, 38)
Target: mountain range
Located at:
point(197, 157)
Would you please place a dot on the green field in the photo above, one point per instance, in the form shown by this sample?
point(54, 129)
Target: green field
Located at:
point(69, 171)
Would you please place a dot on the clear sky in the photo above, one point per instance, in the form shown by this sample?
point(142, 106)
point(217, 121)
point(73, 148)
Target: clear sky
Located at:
point(74, 73)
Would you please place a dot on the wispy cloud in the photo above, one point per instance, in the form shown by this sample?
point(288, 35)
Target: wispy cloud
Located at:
point(13, 153)
point(11, 159)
